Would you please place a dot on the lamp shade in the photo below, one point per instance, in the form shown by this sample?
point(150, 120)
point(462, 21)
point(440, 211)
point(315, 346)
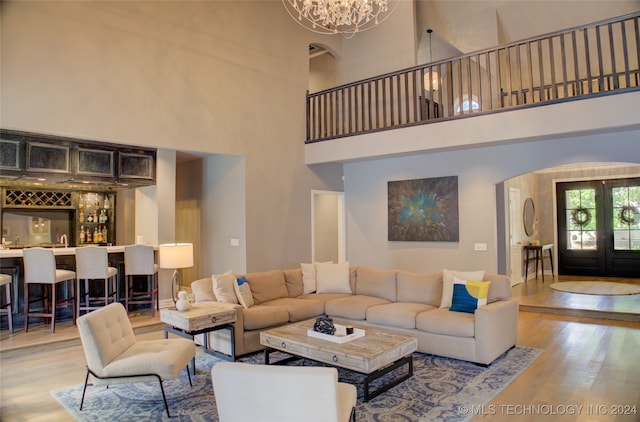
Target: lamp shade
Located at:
point(176, 255)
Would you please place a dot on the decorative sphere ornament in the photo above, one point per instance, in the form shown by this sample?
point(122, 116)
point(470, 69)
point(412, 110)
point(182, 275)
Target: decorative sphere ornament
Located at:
point(182, 303)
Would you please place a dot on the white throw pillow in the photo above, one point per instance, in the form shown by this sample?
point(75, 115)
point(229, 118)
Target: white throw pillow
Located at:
point(203, 290)
point(332, 278)
point(243, 292)
point(223, 287)
point(447, 283)
point(308, 278)
point(309, 283)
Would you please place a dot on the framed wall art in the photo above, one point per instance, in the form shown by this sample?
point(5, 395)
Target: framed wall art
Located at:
point(423, 210)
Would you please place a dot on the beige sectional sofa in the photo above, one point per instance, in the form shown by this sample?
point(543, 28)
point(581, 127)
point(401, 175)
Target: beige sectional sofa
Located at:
point(394, 300)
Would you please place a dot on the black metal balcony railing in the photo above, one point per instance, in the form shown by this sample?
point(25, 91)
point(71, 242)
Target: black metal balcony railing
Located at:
point(581, 62)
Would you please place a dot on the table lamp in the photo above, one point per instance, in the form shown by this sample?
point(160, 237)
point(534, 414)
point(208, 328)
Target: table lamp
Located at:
point(175, 256)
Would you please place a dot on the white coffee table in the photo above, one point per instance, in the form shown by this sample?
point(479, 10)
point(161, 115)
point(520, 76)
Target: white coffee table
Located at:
point(376, 354)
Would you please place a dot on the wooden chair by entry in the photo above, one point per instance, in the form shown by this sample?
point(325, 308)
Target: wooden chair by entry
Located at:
point(92, 264)
point(139, 261)
point(114, 356)
point(5, 281)
point(40, 268)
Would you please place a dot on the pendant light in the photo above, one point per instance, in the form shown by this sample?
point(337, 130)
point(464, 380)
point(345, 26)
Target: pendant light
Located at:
point(431, 76)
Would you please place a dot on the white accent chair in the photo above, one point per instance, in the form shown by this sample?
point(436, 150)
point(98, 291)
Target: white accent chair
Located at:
point(115, 357)
point(92, 263)
point(247, 393)
point(40, 268)
point(139, 261)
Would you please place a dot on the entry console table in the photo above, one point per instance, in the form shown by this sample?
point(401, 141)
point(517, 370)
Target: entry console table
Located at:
point(536, 253)
point(201, 319)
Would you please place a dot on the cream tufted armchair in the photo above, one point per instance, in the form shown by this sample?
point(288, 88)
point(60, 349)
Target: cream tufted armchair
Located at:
point(254, 393)
point(115, 357)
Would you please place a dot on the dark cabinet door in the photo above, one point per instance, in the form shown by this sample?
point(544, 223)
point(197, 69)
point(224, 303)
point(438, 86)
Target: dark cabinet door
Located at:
point(48, 158)
point(137, 166)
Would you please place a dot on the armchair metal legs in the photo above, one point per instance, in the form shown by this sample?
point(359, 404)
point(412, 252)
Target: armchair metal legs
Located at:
point(164, 397)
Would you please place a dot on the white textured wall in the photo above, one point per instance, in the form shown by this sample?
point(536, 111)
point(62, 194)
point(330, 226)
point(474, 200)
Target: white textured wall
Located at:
point(224, 215)
point(207, 76)
point(479, 170)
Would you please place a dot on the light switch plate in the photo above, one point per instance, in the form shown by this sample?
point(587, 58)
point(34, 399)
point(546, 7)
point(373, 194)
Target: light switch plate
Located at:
point(479, 246)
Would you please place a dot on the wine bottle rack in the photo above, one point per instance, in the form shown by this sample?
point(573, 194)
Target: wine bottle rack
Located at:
point(37, 198)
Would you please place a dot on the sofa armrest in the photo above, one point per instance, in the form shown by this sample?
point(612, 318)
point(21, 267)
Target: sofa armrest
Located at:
point(496, 329)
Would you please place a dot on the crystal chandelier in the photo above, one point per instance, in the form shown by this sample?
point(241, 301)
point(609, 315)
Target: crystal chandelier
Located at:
point(346, 17)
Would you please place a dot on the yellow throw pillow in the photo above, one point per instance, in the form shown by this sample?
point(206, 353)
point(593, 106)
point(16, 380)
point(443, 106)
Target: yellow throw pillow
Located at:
point(469, 295)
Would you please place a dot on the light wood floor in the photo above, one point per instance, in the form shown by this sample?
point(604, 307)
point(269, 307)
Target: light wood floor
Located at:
point(537, 296)
point(586, 362)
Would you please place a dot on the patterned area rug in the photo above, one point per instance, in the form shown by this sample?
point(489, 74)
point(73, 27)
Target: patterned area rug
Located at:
point(603, 288)
point(441, 389)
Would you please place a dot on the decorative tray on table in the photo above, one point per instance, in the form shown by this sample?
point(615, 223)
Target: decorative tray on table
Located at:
point(340, 336)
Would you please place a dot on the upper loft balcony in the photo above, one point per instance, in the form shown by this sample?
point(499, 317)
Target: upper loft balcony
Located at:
point(581, 80)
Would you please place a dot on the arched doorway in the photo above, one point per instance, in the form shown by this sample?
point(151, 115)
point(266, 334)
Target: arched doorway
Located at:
point(540, 186)
point(322, 68)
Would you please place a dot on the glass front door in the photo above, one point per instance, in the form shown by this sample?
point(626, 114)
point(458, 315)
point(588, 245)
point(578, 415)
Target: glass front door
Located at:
point(599, 228)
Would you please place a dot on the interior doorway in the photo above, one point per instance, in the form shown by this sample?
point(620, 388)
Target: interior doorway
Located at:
point(515, 240)
point(540, 186)
point(328, 233)
point(599, 227)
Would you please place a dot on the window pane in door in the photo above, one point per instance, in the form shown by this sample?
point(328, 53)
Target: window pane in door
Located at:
point(626, 217)
point(581, 219)
point(635, 240)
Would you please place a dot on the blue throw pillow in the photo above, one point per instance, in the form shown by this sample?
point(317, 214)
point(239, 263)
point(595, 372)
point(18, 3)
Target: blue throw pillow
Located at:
point(469, 295)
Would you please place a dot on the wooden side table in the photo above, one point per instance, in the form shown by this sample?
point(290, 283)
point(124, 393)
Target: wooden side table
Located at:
point(201, 319)
point(538, 255)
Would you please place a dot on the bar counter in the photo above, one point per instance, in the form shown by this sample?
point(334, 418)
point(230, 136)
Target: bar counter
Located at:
point(11, 263)
point(17, 253)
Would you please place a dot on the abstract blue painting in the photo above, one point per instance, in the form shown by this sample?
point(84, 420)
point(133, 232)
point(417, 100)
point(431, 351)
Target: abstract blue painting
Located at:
point(423, 209)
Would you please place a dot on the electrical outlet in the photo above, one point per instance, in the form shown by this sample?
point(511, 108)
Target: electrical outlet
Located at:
point(479, 246)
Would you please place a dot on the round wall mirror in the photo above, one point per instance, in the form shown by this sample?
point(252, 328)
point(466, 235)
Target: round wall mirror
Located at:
point(528, 217)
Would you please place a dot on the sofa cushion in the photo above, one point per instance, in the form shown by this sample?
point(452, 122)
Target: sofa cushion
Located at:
point(400, 315)
point(352, 307)
point(260, 316)
point(267, 286)
point(442, 321)
point(223, 287)
point(420, 288)
point(299, 309)
point(333, 278)
point(293, 281)
point(243, 292)
point(377, 283)
point(469, 295)
point(447, 283)
point(203, 290)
